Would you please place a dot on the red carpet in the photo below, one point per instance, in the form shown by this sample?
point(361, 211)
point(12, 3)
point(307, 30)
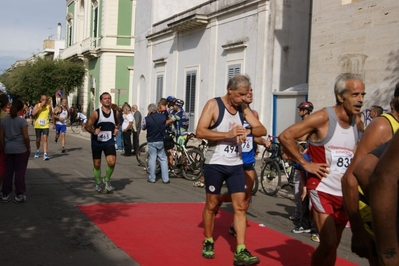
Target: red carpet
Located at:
point(172, 233)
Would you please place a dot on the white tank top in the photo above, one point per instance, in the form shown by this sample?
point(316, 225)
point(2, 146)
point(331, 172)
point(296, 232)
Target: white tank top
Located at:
point(337, 151)
point(227, 151)
point(63, 114)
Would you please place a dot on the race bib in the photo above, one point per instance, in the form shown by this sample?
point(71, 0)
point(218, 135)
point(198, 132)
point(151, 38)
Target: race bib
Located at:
point(42, 122)
point(247, 146)
point(230, 151)
point(104, 136)
point(340, 160)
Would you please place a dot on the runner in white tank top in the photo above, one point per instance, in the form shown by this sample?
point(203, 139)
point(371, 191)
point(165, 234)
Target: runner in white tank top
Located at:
point(336, 141)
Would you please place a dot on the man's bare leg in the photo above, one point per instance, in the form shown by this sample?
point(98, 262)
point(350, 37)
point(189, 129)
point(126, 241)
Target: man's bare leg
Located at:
point(330, 236)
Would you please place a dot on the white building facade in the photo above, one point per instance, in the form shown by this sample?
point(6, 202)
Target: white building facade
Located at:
point(190, 48)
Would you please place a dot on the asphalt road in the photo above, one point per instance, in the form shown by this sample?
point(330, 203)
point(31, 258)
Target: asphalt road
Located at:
point(48, 229)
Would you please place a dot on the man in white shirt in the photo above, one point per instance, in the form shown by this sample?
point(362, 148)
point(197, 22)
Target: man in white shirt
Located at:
point(127, 126)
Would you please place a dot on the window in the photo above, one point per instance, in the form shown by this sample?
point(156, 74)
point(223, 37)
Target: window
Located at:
point(159, 87)
point(95, 25)
point(70, 32)
point(189, 105)
point(233, 70)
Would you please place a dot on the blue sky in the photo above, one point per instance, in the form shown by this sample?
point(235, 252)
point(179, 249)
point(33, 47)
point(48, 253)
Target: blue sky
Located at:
point(25, 24)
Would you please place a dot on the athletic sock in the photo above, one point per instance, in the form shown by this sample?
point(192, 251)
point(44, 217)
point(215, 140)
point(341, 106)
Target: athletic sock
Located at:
point(97, 175)
point(108, 173)
point(210, 239)
point(240, 247)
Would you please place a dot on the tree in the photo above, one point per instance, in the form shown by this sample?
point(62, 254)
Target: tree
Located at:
point(43, 77)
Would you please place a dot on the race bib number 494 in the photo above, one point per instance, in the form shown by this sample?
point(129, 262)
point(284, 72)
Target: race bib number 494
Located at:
point(340, 160)
point(229, 151)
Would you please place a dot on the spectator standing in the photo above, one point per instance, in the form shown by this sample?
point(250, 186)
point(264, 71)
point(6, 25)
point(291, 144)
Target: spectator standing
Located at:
point(181, 121)
point(72, 114)
point(4, 103)
point(14, 139)
point(221, 124)
point(83, 118)
point(127, 126)
point(103, 125)
point(155, 124)
point(136, 128)
point(304, 110)
point(332, 138)
point(60, 119)
point(42, 111)
point(119, 136)
point(375, 111)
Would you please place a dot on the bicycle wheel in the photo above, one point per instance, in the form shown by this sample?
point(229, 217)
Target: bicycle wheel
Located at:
point(142, 154)
point(76, 128)
point(256, 184)
point(270, 177)
point(271, 152)
point(193, 164)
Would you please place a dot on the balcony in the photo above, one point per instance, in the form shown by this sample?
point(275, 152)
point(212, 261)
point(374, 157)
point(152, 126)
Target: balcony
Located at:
point(72, 51)
point(89, 46)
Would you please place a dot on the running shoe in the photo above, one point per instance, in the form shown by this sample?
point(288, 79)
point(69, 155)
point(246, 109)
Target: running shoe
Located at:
point(5, 198)
point(45, 157)
point(99, 187)
point(55, 140)
point(63, 150)
point(207, 250)
point(232, 231)
point(315, 238)
point(108, 186)
point(244, 257)
point(299, 229)
point(20, 198)
point(198, 184)
point(37, 153)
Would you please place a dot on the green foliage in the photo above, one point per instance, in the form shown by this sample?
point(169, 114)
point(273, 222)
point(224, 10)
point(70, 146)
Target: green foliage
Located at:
point(43, 77)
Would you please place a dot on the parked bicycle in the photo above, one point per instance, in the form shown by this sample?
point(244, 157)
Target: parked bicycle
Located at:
point(77, 127)
point(188, 161)
point(273, 166)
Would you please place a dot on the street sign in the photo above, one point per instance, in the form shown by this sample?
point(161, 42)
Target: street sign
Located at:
point(119, 91)
point(58, 94)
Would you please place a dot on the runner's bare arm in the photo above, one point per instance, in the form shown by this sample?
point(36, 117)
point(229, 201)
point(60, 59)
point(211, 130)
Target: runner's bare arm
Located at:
point(384, 203)
point(314, 125)
point(360, 240)
point(258, 129)
point(90, 123)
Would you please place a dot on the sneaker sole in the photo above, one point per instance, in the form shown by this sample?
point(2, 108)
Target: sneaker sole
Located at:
point(22, 201)
point(300, 232)
point(243, 263)
point(208, 256)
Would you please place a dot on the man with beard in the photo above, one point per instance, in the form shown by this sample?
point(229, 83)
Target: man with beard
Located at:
point(103, 125)
point(332, 138)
